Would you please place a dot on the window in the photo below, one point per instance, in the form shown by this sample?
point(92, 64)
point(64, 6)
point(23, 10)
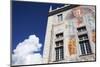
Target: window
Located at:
point(59, 43)
point(83, 37)
point(60, 35)
point(81, 29)
point(60, 17)
point(88, 47)
point(85, 47)
point(59, 53)
point(84, 41)
point(59, 47)
point(82, 48)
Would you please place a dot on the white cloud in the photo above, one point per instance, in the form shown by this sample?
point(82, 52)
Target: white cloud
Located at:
point(27, 52)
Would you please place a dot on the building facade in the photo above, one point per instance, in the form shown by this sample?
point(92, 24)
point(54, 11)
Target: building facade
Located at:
point(70, 34)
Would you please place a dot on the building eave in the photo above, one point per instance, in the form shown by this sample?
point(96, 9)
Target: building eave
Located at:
point(62, 9)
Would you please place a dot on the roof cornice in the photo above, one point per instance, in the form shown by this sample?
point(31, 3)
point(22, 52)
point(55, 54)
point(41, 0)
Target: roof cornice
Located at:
point(62, 9)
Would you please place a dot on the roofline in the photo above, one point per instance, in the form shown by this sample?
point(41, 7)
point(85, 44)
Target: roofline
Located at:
point(62, 9)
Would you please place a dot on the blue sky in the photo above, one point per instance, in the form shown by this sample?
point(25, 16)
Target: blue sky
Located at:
point(29, 18)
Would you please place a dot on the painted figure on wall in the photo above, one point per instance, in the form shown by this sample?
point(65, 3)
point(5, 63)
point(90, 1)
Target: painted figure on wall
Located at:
point(78, 13)
point(72, 46)
point(93, 36)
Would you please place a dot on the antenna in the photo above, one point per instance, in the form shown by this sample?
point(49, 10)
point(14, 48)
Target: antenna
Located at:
point(50, 9)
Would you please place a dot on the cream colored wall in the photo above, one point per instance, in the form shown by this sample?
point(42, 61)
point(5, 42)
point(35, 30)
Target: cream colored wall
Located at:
point(54, 27)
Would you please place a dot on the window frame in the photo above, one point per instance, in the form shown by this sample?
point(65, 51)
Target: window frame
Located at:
point(60, 17)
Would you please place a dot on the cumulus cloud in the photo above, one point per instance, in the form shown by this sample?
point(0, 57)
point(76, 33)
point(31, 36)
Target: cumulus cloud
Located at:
point(27, 52)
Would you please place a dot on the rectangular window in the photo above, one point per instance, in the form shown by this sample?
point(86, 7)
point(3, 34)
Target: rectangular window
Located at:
point(60, 35)
point(82, 48)
point(59, 47)
point(81, 29)
point(60, 17)
point(88, 47)
point(59, 43)
point(84, 41)
point(85, 47)
point(83, 37)
point(59, 53)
